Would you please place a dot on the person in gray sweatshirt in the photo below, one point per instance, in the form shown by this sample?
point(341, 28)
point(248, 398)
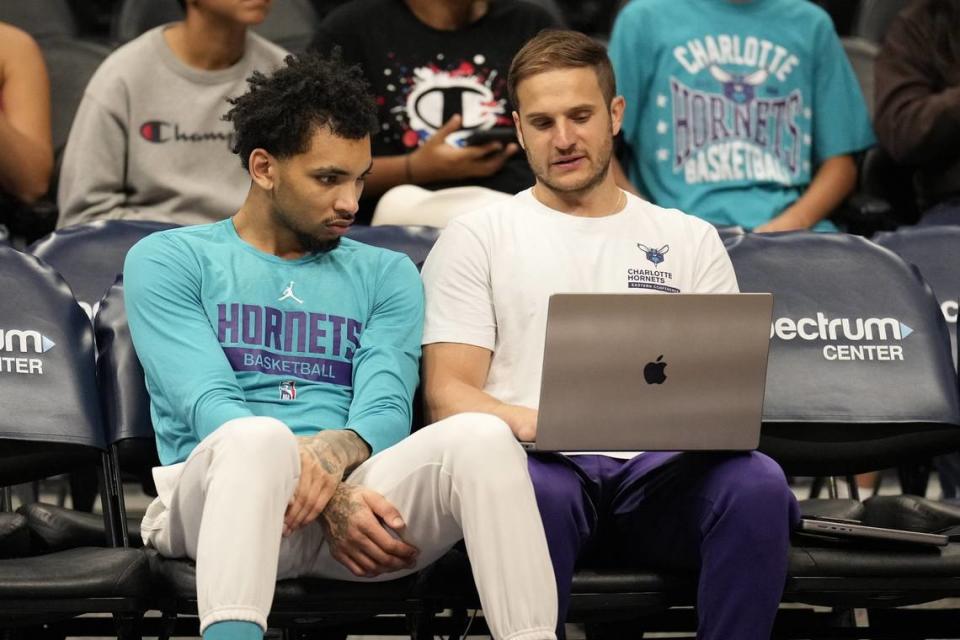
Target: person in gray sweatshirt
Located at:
point(148, 142)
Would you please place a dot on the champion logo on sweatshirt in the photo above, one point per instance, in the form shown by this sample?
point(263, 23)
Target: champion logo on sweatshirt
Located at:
point(159, 131)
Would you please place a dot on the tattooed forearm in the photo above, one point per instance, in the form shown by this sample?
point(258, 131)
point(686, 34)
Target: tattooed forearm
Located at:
point(337, 451)
point(338, 511)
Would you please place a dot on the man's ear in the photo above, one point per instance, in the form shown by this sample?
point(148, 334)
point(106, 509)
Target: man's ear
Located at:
point(516, 125)
point(617, 107)
point(262, 168)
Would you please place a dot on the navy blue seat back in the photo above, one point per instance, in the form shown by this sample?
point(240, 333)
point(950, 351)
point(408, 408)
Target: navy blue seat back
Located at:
point(729, 232)
point(415, 241)
point(90, 256)
point(935, 251)
point(48, 392)
point(860, 374)
point(290, 24)
point(70, 65)
point(126, 403)
point(939, 216)
point(134, 17)
point(40, 18)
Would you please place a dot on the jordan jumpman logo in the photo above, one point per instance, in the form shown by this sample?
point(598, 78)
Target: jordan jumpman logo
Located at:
point(288, 294)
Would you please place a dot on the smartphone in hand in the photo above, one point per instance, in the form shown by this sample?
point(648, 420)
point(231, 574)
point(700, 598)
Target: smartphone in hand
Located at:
point(506, 135)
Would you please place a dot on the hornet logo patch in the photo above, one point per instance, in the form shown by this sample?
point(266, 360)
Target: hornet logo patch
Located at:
point(654, 255)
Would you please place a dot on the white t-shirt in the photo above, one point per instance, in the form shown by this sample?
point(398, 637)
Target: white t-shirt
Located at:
point(489, 277)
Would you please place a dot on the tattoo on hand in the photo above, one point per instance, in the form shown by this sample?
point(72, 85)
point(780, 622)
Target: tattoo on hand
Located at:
point(338, 511)
point(337, 451)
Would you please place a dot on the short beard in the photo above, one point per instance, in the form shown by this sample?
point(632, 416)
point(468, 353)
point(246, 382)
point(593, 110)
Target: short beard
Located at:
point(605, 155)
point(312, 244)
point(308, 242)
point(585, 187)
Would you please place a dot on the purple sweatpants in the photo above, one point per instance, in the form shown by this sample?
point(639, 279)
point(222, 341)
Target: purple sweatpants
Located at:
point(727, 515)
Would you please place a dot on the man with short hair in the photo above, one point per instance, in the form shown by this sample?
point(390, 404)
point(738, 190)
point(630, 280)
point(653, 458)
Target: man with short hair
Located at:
point(281, 359)
point(488, 281)
point(148, 141)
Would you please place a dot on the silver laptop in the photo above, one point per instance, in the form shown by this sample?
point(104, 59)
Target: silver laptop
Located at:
point(680, 372)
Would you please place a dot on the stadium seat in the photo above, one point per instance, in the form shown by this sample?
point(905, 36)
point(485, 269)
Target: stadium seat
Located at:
point(728, 232)
point(51, 423)
point(933, 250)
point(42, 19)
point(862, 54)
point(860, 377)
point(939, 217)
point(90, 256)
point(874, 16)
point(70, 64)
point(15, 535)
point(290, 24)
point(860, 374)
point(134, 17)
point(414, 241)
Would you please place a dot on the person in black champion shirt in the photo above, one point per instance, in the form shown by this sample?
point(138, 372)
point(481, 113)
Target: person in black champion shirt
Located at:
point(438, 71)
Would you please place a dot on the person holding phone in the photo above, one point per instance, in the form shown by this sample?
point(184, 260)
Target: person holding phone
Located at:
point(438, 71)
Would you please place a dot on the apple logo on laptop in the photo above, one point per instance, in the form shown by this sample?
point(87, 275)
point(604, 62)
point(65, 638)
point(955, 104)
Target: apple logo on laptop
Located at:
point(653, 372)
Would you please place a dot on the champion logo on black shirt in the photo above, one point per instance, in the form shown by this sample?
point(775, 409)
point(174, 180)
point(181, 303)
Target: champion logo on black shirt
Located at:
point(159, 131)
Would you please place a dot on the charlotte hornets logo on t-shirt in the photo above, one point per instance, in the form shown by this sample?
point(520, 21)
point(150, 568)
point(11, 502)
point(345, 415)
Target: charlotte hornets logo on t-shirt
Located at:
point(654, 255)
point(309, 345)
point(656, 278)
point(737, 117)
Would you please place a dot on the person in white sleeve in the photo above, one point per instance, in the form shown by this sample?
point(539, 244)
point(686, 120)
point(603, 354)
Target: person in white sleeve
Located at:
point(488, 281)
point(281, 360)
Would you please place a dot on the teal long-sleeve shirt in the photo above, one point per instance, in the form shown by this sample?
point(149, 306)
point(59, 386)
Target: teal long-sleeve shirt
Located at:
point(224, 331)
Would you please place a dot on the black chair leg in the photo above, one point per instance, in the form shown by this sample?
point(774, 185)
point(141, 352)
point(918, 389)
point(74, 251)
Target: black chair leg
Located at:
point(420, 625)
point(620, 630)
point(129, 626)
point(84, 489)
point(914, 479)
point(816, 487)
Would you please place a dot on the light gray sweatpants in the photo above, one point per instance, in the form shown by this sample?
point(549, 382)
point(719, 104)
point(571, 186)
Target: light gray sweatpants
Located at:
point(464, 477)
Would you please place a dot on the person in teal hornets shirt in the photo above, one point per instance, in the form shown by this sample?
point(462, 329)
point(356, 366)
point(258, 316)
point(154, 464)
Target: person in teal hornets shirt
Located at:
point(281, 360)
point(741, 112)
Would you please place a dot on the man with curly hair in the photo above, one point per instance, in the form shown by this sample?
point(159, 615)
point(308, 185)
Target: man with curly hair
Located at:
point(281, 360)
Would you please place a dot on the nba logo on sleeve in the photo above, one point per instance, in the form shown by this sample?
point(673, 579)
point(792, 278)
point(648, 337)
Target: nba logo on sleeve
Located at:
point(288, 390)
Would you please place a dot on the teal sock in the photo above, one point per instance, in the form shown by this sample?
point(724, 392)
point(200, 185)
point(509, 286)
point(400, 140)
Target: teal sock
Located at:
point(233, 630)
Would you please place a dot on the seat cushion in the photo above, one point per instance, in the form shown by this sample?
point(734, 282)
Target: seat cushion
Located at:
point(86, 572)
point(14, 535)
point(54, 528)
point(910, 512)
point(177, 577)
point(832, 508)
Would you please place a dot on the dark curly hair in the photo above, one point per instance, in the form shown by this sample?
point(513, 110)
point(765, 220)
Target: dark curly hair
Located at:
point(279, 112)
